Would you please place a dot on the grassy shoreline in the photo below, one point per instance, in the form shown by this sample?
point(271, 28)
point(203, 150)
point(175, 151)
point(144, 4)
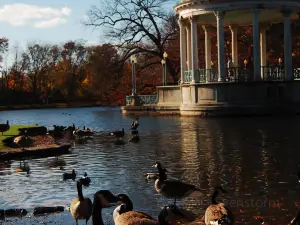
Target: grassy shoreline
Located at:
point(13, 131)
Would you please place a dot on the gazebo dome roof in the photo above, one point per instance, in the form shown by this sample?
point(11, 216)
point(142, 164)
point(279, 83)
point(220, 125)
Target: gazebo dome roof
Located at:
point(238, 12)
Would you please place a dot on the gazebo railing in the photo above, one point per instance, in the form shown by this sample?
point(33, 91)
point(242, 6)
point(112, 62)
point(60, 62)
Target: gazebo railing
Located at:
point(144, 99)
point(238, 74)
point(206, 75)
point(273, 73)
point(296, 74)
point(187, 77)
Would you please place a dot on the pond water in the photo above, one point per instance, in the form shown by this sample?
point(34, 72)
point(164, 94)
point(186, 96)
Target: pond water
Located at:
point(256, 158)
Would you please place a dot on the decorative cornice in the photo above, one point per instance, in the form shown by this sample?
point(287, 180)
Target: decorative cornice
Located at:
point(192, 18)
point(219, 14)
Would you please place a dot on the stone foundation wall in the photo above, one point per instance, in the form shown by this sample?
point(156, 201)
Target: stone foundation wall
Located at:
point(226, 99)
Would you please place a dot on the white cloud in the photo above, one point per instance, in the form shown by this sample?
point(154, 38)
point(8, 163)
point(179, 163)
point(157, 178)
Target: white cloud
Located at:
point(50, 23)
point(32, 15)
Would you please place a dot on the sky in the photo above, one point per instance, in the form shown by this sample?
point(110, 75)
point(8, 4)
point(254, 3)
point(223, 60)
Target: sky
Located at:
point(47, 21)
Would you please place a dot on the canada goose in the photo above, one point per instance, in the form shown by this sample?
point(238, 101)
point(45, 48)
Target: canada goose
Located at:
point(118, 134)
point(81, 207)
point(124, 215)
point(172, 188)
point(72, 175)
point(296, 220)
point(102, 199)
point(83, 133)
point(4, 127)
point(85, 180)
point(218, 213)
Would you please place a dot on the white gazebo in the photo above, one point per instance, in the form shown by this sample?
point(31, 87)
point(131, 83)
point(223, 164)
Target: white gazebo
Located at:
point(235, 88)
point(213, 15)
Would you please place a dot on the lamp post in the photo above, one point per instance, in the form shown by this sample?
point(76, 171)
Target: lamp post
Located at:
point(280, 62)
point(163, 62)
point(133, 62)
point(164, 67)
point(245, 63)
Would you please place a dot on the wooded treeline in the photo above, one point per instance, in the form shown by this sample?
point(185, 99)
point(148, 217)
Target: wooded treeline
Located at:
point(74, 71)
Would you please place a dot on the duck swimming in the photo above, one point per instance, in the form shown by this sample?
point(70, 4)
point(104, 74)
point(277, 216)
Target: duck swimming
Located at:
point(72, 175)
point(85, 180)
point(118, 134)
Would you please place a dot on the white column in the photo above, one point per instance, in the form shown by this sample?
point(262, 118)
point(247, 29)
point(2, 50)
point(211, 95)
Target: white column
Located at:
point(234, 45)
point(189, 48)
point(194, 45)
point(288, 64)
point(263, 48)
point(256, 45)
point(221, 54)
point(207, 34)
point(182, 48)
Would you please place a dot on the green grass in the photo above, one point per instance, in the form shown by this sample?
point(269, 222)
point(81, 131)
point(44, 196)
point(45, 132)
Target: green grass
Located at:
point(13, 131)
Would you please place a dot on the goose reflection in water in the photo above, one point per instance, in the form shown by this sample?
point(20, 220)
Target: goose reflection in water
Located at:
point(56, 163)
point(23, 167)
point(4, 166)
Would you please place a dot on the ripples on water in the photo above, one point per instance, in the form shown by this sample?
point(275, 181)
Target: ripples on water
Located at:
point(256, 158)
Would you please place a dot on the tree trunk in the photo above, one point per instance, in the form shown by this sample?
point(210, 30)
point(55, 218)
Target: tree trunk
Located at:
point(171, 71)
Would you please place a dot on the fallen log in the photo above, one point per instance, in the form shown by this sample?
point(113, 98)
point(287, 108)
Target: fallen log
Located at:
point(15, 212)
point(47, 210)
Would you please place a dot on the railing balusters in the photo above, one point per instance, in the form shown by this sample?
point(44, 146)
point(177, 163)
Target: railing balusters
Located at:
point(144, 99)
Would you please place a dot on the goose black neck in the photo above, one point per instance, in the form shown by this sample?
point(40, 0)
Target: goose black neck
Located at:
point(214, 197)
point(97, 213)
point(128, 205)
point(79, 190)
point(161, 174)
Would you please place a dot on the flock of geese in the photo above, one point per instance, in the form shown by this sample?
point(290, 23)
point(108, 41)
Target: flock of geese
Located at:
point(217, 213)
point(82, 208)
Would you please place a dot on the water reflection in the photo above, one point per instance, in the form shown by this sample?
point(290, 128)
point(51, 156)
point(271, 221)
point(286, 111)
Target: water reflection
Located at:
point(257, 160)
point(23, 167)
point(5, 167)
point(56, 163)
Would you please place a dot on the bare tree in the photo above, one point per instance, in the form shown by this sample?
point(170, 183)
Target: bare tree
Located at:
point(4, 45)
point(138, 27)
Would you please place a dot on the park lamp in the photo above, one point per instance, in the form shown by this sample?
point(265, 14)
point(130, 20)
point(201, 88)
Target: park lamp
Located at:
point(163, 62)
point(245, 62)
point(280, 60)
point(165, 55)
point(133, 59)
